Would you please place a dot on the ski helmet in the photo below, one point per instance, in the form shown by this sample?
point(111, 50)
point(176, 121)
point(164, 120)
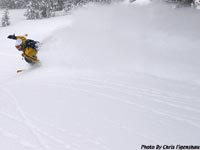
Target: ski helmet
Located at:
point(18, 42)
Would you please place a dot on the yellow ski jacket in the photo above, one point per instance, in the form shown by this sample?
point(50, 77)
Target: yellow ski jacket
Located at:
point(28, 53)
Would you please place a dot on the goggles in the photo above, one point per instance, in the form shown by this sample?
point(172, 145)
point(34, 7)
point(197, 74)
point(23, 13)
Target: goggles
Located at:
point(18, 46)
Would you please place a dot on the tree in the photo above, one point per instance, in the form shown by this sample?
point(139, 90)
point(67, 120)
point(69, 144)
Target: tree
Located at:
point(71, 4)
point(59, 4)
point(5, 19)
point(38, 9)
point(32, 11)
point(12, 4)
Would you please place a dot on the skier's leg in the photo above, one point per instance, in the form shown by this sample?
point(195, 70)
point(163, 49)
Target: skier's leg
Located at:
point(31, 55)
point(29, 61)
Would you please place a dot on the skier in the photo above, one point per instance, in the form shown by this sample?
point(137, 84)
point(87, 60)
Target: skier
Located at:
point(28, 47)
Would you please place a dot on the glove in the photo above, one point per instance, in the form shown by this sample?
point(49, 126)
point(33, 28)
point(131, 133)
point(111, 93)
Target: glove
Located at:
point(12, 37)
point(23, 55)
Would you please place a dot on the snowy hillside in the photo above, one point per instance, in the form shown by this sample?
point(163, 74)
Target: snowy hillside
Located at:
point(111, 78)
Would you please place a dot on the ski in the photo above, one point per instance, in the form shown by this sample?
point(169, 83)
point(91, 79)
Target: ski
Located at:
point(21, 70)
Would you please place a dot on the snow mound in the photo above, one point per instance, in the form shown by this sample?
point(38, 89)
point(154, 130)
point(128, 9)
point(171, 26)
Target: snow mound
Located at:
point(137, 2)
point(142, 2)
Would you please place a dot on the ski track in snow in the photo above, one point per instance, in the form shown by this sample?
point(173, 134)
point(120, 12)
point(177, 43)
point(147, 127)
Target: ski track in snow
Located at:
point(36, 132)
point(41, 135)
point(137, 93)
point(102, 88)
point(94, 87)
point(26, 121)
point(116, 91)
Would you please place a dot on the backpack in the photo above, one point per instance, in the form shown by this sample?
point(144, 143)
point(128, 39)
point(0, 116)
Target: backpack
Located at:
point(32, 44)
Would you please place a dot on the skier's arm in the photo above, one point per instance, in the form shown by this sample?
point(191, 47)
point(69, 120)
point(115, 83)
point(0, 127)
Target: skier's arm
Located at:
point(12, 37)
point(23, 38)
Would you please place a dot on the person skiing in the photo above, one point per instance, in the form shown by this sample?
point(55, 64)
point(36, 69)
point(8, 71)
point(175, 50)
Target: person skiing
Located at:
point(28, 47)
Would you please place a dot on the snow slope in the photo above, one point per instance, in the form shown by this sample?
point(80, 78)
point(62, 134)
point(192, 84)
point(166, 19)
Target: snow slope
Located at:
point(111, 78)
